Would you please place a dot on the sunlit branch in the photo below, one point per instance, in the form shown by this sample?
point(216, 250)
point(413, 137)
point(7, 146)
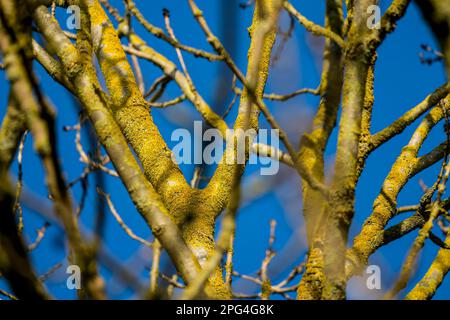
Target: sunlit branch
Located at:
point(140, 190)
point(312, 27)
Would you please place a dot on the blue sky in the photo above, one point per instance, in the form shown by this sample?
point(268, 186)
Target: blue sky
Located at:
point(401, 82)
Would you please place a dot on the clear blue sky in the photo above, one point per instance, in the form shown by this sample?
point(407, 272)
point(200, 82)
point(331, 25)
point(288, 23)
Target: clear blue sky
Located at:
point(401, 82)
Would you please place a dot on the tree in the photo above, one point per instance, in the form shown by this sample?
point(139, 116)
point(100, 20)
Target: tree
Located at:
point(181, 215)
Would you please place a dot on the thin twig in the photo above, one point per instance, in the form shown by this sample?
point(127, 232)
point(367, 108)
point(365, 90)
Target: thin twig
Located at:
point(172, 281)
point(8, 295)
point(47, 275)
point(178, 51)
point(169, 103)
point(229, 262)
point(312, 27)
point(157, 83)
point(285, 97)
point(40, 235)
point(155, 267)
point(159, 33)
point(17, 206)
point(120, 221)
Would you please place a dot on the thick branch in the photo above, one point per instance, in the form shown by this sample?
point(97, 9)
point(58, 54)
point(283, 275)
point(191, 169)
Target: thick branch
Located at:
point(384, 207)
point(131, 112)
point(141, 192)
